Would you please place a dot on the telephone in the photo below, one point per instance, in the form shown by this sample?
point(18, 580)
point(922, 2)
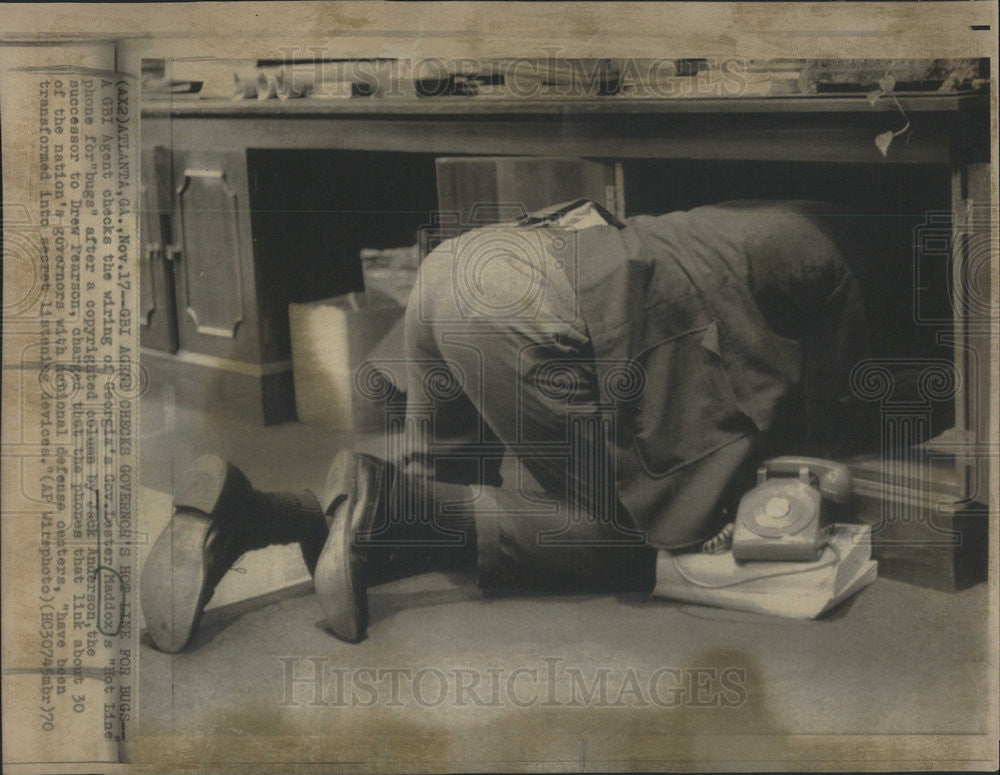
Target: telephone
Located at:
point(782, 517)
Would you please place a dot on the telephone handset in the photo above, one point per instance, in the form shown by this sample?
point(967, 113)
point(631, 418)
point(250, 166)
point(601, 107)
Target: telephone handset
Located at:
point(782, 517)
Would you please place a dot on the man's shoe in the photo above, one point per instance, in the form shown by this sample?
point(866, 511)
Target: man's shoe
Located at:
point(218, 516)
point(354, 501)
point(198, 546)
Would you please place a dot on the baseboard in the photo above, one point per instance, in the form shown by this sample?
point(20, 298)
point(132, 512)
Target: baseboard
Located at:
point(923, 532)
point(257, 395)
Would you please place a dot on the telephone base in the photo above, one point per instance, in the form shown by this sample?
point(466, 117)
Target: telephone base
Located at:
point(794, 549)
point(779, 520)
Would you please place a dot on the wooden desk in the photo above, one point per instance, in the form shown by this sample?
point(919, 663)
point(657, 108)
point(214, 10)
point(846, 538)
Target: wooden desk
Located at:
point(819, 128)
point(218, 333)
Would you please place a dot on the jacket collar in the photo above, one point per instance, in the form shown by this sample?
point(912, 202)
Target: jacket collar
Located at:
point(576, 214)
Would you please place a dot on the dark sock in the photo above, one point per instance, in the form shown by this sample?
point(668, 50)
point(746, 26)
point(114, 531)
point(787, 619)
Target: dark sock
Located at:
point(286, 517)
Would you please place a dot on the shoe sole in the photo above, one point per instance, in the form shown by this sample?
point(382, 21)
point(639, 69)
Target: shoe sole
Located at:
point(344, 609)
point(178, 556)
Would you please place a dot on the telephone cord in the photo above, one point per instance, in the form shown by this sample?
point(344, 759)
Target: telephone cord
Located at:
point(796, 571)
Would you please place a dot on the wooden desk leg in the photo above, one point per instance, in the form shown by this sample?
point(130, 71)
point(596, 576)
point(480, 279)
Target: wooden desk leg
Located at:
point(974, 260)
point(926, 499)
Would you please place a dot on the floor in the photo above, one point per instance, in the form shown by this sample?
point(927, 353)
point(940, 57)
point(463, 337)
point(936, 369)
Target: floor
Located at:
point(484, 682)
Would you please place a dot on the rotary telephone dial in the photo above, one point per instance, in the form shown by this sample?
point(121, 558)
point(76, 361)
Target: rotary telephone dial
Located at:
point(782, 517)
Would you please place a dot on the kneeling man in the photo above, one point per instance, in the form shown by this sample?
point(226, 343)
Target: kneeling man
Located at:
point(637, 371)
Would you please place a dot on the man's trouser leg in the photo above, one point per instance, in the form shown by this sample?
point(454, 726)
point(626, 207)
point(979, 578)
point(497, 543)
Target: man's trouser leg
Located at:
point(481, 383)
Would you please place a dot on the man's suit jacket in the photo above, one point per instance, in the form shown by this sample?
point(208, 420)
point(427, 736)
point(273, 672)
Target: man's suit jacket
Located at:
point(712, 329)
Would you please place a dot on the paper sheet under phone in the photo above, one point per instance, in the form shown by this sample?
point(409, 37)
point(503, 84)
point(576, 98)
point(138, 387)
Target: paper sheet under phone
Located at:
point(801, 590)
